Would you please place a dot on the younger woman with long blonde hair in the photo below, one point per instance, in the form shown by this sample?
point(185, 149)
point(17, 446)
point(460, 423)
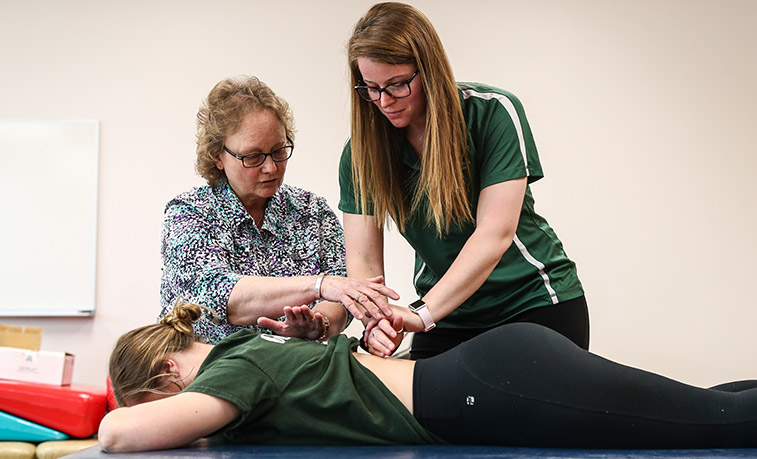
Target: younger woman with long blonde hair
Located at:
point(450, 164)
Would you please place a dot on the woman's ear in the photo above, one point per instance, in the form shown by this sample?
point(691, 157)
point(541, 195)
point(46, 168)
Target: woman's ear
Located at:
point(173, 377)
point(168, 369)
point(170, 381)
point(171, 368)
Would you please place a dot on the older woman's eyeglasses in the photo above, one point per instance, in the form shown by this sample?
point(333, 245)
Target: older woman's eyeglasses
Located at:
point(398, 90)
point(257, 159)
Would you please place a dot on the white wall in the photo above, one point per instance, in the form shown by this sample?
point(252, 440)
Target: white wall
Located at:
point(643, 113)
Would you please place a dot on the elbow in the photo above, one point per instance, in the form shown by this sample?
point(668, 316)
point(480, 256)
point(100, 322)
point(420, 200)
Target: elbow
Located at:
point(106, 442)
point(233, 312)
point(107, 438)
point(111, 434)
point(505, 242)
point(498, 242)
point(234, 318)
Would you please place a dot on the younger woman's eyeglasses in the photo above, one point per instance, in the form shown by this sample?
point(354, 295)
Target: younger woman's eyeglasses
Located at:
point(398, 90)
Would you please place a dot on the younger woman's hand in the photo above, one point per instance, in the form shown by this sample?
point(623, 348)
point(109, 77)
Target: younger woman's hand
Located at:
point(383, 336)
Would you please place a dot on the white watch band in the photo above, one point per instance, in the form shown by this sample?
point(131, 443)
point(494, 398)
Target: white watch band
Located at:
point(419, 307)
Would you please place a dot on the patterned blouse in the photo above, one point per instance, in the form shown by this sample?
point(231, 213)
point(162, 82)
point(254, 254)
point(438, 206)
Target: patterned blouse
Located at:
point(209, 242)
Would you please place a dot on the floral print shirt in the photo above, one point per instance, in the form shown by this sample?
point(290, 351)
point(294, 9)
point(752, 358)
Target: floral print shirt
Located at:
point(209, 242)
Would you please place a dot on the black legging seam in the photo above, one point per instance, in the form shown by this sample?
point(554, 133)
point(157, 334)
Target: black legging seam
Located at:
point(517, 395)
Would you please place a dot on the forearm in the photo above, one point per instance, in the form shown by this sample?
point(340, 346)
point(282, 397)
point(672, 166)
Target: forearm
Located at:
point(365, 262)
point(168, 423)
point(253, 297)
point(124, 430)
point(475, 262)
point(497, 216)
point(364, 269)
point(468, 272)
point(365, 248)
point(120, 433)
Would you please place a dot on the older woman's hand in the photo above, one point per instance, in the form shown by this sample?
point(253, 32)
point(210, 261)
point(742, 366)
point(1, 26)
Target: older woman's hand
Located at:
point(359, 295)
point(299, 322)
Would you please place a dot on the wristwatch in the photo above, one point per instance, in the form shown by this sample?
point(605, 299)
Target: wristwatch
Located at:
point(419, 307)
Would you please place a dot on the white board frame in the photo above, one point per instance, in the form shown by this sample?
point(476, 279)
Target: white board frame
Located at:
point(48, 230)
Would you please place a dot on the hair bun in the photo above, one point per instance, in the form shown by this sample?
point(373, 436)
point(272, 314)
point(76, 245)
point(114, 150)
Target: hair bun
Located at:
point(183, 316)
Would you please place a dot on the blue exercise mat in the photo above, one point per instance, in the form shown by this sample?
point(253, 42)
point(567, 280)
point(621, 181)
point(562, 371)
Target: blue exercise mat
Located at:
point(13, 428)
point(409, 452)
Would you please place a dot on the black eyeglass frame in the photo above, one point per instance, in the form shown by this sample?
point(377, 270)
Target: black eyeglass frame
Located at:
point(386, 89)
point(289, 147)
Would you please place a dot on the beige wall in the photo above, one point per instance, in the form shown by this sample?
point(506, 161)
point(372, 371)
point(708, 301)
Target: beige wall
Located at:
point(643, 112)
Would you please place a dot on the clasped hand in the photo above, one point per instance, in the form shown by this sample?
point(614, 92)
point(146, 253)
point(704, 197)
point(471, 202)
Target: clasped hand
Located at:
point(383, 334)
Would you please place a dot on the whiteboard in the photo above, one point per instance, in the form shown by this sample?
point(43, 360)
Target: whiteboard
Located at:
point(48, 228)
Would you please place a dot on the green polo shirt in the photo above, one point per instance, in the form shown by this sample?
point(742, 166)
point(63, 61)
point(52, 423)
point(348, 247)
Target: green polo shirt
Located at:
point(534, 271)
point(298, 392)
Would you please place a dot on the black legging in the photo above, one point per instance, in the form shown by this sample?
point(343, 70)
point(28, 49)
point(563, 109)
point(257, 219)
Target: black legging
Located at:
point(525, 385)
point(570, 318)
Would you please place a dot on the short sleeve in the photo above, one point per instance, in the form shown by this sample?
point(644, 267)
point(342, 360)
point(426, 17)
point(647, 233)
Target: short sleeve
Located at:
point(503, 145)
point(347, 201)
point(240, 382)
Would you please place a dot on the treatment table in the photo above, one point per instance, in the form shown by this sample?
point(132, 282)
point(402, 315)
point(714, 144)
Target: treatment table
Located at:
point(207, 450)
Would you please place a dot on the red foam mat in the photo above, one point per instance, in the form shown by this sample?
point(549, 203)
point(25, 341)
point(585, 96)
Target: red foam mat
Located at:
point(75, 410)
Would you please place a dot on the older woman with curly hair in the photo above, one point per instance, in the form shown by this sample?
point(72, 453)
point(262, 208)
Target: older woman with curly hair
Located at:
point(248, 246)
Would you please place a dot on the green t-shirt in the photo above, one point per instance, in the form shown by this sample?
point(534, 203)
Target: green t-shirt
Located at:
point(534, 271)
point(298, 392)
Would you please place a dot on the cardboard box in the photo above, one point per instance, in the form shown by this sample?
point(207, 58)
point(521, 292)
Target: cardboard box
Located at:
point(20, 336)
point(36, 366)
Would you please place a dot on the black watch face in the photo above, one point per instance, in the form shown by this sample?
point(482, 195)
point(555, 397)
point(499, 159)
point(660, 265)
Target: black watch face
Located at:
point(414, 306)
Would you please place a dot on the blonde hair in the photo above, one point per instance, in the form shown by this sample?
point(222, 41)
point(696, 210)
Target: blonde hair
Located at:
point(222, 113)
point(396, 33)
point(137, 363)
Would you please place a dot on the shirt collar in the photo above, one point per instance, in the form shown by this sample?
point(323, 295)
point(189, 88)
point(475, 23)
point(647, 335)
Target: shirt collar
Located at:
point(409, 157)
point(231, 208)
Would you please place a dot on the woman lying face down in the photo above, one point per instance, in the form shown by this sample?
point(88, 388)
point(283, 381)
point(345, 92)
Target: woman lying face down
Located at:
point(260, 388)
point(266, 389)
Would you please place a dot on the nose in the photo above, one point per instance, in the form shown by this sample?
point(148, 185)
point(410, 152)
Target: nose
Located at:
point(386, 99)
point(269, 166)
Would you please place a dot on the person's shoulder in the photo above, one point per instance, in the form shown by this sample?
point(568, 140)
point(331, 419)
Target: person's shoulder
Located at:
point(347, 147)
point(195, 195)
point(202, 200)
point(189, 198)
point(296, 193)
point(483, 103)
point(484, 92)
point(300, 198)
point(238, 337)
point(345, 160)
point(265, 345)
